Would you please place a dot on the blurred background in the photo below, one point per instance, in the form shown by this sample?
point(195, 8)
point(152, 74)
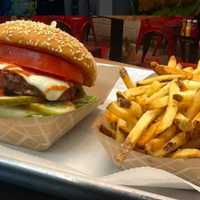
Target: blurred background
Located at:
point(100, 23)
point(140, 39)
point(100, 7)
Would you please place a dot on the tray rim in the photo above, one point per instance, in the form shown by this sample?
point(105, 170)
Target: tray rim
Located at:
point(45, 180)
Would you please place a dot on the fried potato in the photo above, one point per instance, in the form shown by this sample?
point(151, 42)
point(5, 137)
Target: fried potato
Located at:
point(161, 93)
point(137, 91)
point(172, 62)
point(191, 84)
point(157, 143)
point(194, 109)
point(120, 137)
point(183, 122)
point(161, 78)
point(185, 96)
point(160, 115)
point(186, 153)
point(171, 110)
point(148, 135)
point(122, 112)
point(127, 80)
point(161, 102)
point(179, 140)
point(141, 125)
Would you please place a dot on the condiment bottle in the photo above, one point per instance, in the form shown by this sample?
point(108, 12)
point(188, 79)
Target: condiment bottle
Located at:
point(183, 27)
point(188, 28)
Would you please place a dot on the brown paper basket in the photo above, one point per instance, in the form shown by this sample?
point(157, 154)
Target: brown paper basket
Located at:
point(188, 169)
point(39, 133)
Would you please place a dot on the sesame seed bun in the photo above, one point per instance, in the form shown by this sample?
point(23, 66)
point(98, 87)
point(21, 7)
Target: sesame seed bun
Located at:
point(45, 38)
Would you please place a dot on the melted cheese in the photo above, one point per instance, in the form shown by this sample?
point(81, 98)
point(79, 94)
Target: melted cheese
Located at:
point(52, 88)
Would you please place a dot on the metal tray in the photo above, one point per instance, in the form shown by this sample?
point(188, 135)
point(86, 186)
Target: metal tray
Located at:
point(71, 167)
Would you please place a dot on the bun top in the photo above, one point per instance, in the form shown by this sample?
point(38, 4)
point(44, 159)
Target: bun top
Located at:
point(52, 40)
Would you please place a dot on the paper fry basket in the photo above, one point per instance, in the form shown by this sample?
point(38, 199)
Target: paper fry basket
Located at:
point(188, 169)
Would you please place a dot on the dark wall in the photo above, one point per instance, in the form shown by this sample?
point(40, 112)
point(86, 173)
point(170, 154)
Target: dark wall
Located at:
point(122, 7)
point(50, 7)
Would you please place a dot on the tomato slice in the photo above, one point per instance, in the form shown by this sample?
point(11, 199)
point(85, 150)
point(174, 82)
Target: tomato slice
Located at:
point(40, 62)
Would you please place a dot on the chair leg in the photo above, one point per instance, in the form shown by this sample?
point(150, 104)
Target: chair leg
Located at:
point(146, 44)
point(158, 44)
point(93, 32)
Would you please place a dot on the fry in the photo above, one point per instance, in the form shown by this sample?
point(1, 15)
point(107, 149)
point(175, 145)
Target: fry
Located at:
point(121, 113)
point(159, 69)
point(135, 109)
point(158, 103)
point(176, 70)
point(157, 143)
point(141, 125)
point(125, 77)
point(186, 153)
point(136, 133)
point(179, 140)
point(154, 87)
point(162, 92)
point(191, 84)
point(123, 126)
point(161, 78)
point(147, 135)
point(185, 96)
point(188, 69)
point(171, 110)
point(179, 66)
point(120, 137)
point(172, 62)
point(195, 107)
point(196, 120)
point(183, 122)
point(107, 131)
point(133, 92)
point(112, 119)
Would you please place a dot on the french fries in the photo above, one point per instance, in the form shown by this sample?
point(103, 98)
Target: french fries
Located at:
point(161, 78)
point(171, 110)
point(160, 115)
point(125, 77)
point(157, 143)
point(186, 153)
point(179, 140)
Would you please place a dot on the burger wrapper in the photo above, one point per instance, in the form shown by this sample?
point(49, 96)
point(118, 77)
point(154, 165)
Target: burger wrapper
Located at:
point(187, 169)
point(39, 133)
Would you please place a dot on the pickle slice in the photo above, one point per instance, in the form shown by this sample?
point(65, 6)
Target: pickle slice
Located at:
point(52, 108)
point(16, 111)
point(17, 100)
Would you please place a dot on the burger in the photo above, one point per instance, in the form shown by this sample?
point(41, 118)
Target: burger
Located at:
point(42, 69)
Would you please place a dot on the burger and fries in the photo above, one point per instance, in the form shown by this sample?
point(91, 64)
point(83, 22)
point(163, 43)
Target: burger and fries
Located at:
point(159, 116)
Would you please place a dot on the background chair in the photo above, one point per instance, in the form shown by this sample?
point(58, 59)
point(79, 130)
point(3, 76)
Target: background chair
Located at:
point(158, 29)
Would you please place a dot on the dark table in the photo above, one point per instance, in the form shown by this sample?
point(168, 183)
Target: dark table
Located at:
point(116, 38)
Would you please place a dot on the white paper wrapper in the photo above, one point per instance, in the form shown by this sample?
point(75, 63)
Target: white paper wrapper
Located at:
point(183, 173)
point(187, 169)
point(40, 133)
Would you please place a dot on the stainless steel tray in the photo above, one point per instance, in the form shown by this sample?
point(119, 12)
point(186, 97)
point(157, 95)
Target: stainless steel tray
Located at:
point(72, 166)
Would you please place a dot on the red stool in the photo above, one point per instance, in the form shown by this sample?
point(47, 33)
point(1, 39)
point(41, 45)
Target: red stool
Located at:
point(161, 28)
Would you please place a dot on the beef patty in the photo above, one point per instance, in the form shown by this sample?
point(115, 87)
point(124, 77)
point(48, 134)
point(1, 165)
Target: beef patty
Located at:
point(14, 84)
